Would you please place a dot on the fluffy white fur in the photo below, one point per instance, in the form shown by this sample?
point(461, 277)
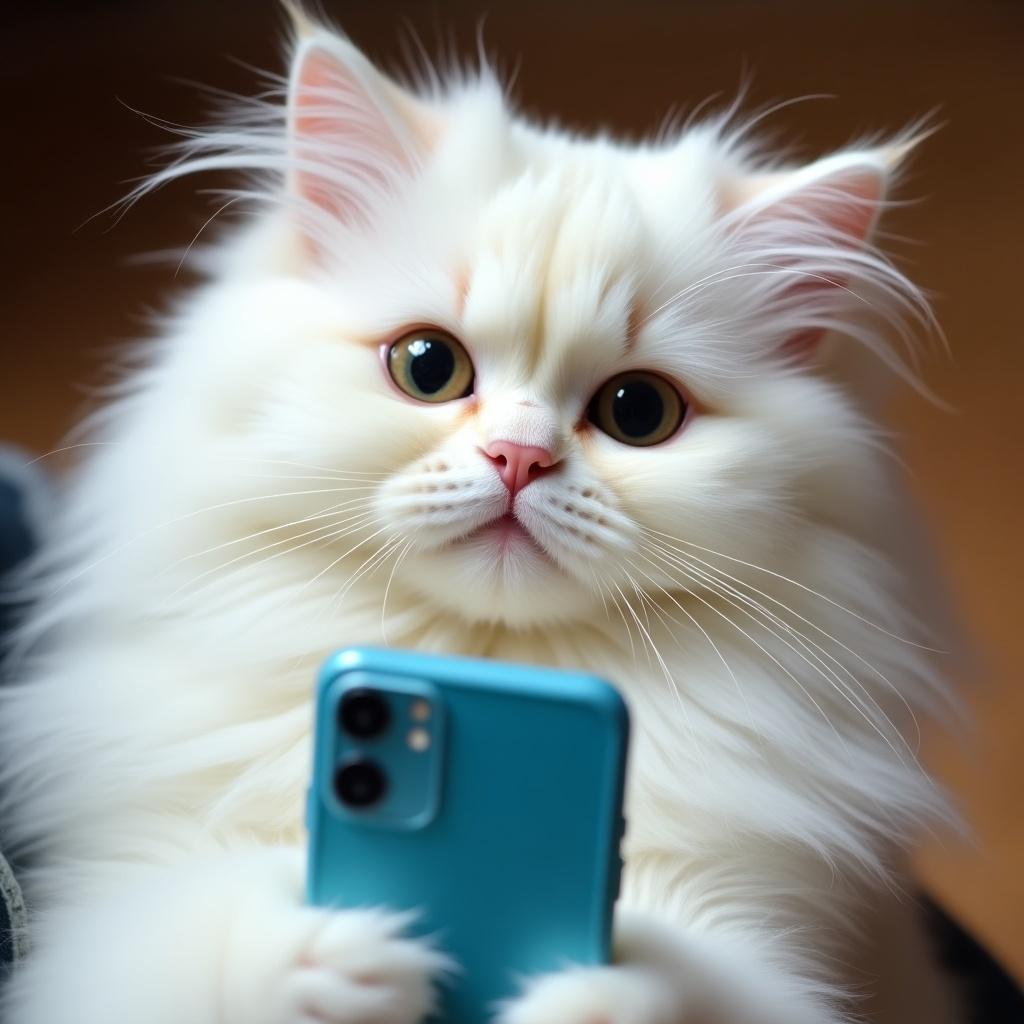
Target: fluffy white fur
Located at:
point(259, 495)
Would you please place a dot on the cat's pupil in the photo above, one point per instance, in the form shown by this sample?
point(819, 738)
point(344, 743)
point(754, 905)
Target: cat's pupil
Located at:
point(637, 408)
point(431, 364)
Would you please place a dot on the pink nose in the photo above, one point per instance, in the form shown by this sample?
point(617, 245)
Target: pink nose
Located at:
point(518, 464)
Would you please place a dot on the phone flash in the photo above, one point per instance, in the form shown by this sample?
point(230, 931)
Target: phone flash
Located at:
point(420, 710)
point(419, 740)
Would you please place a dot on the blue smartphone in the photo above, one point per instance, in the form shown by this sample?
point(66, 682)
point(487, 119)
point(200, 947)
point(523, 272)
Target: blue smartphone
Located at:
point(486, 796)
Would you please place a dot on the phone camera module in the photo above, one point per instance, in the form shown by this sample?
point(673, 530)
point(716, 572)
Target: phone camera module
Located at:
point(360, 783)
point(364, 714)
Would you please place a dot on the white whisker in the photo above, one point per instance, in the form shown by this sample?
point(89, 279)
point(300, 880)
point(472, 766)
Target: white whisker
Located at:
point(387, 590)
point(327, 568)
point(117, 549)
point(669, 678)
point(365, 568)
point(802, 586)
point(720, 573)
point(707, 637)
point(331, 510)
point(808, 657)
point(328, 532)
point(764, 650)
point(625, 623)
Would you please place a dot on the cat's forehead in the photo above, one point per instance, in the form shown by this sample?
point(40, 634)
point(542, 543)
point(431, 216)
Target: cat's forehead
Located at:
point(575, 249)
point(547, 255)
point(555, 257)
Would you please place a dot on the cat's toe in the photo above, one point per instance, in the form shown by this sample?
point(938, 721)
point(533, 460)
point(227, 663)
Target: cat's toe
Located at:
point(601, 995)
point(358, 968)
point(319, 994)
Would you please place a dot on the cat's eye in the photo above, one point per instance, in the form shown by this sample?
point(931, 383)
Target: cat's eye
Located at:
point(430, 366)
point(637, 408)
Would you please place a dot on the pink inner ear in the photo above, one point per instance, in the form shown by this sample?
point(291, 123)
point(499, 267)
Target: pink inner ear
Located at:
point(845, 199)
point(844, 204)
point(848, 204)
point(803, 345)
point(340, 135)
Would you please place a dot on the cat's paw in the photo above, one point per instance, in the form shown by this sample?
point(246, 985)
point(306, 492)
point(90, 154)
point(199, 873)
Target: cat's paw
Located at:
point(358, 968)
point(595, 995)
point(664, 975)
point(642, 987)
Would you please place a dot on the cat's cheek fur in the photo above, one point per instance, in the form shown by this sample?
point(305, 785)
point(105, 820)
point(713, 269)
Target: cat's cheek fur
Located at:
point(444, 495)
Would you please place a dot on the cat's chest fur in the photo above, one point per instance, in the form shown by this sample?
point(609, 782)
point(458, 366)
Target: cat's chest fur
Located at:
point(210, 717)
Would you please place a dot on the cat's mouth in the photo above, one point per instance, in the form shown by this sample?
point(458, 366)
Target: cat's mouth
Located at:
point(507, 535)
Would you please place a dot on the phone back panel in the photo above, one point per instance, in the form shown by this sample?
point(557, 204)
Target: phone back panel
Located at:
point(514, 867)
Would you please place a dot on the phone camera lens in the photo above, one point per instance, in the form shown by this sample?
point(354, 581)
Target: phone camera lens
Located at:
point(360, 783)
point(364, 714)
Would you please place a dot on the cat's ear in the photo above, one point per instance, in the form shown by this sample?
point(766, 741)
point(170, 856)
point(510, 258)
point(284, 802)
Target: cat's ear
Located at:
point(812, 225)
point(353, 134)
point(841, 194)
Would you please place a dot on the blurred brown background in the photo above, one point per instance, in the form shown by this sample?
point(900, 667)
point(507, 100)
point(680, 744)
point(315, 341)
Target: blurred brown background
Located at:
point(70, 296)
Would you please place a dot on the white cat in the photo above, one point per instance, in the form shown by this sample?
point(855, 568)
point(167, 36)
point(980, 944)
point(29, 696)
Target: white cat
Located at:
point(470, 385)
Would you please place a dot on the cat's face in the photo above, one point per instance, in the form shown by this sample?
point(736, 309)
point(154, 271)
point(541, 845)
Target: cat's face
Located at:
point(593, 422)
point(555, 374)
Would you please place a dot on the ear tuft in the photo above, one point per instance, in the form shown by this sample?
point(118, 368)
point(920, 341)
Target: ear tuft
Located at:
point(895, 153)
point(302, 24)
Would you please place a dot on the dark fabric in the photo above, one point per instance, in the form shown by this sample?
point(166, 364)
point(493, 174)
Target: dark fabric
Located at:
point(16, 533)
point(17, 541)
point(990, 994)
point(13, 924)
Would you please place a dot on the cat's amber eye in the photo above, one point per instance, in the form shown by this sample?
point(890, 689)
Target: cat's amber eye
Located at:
point(430, 366)
point(638, 408)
